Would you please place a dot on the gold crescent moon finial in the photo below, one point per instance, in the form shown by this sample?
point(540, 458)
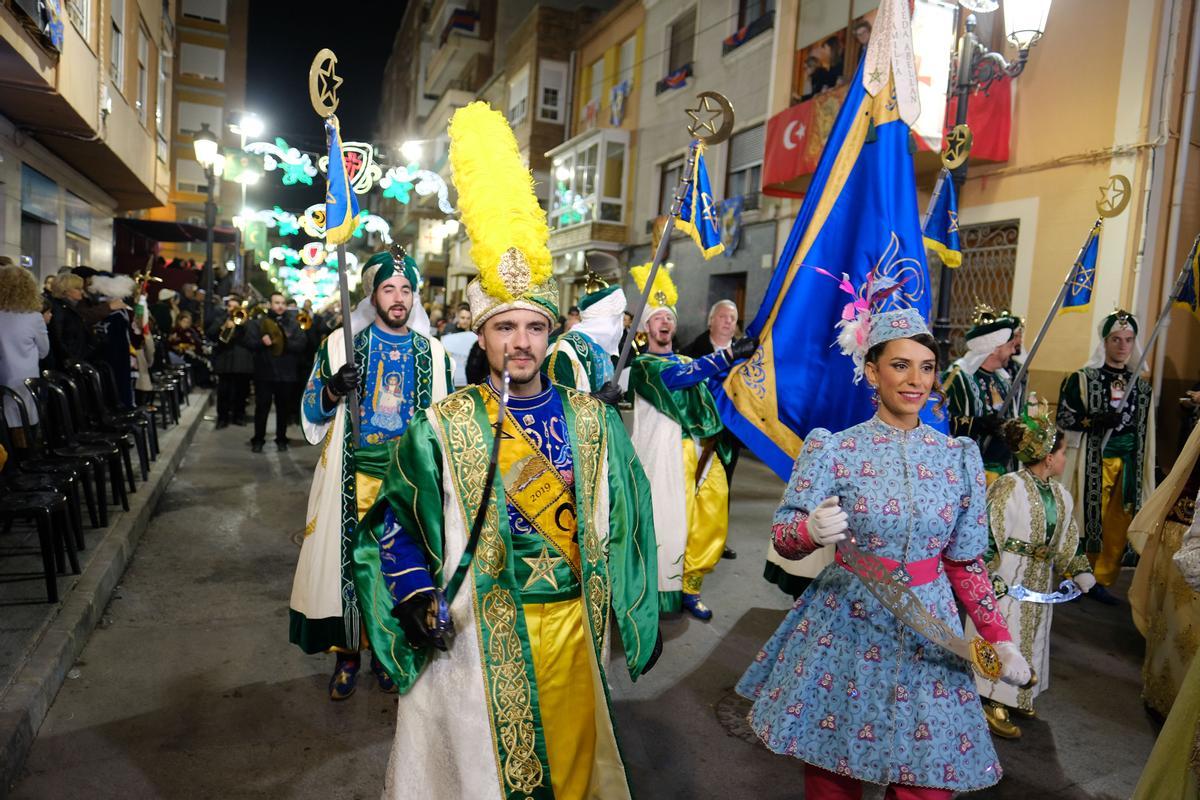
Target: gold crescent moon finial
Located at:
point(711, 108)
point(323, 83)
point(1115, 194)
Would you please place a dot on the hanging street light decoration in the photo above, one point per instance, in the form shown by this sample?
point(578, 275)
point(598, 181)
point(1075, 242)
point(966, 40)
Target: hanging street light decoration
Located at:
point(361, 169)
point(293, 165)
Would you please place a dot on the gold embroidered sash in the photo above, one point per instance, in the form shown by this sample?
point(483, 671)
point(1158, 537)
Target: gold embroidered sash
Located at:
point(536, 489)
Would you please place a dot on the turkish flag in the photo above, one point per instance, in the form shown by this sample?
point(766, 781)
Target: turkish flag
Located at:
point(989, 116)
point(795, 138)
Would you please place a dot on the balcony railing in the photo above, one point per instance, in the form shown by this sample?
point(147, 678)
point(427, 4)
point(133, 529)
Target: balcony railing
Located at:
point(747, 32)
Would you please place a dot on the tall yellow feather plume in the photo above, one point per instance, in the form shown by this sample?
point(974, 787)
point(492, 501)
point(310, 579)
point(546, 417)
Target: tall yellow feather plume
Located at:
point(664, 292)
point(496, 199)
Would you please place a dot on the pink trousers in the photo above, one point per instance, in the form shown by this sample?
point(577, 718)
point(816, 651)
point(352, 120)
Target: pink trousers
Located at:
point(820, 784)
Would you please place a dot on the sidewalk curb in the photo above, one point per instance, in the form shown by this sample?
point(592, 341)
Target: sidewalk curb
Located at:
point(27, 699)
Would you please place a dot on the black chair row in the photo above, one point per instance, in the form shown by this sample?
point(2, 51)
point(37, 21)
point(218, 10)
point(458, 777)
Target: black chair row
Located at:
point(82, 444)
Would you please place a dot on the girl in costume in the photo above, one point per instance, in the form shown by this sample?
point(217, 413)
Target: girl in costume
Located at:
point(1034, 536)
point(843, 685)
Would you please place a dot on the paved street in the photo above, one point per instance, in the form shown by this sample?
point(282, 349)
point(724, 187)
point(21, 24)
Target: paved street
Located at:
point(189, 689)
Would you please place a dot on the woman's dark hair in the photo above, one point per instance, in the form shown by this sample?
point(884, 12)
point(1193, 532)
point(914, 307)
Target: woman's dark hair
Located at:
point(939, 407)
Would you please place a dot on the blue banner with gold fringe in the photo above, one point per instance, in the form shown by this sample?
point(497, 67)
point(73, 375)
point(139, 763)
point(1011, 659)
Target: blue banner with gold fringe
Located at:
point(341, 204)
point(941, 229)
point(698, 215)
point(1083, 276)
point(859, 218)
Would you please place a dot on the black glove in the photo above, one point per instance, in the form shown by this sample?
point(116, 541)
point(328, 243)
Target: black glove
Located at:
point(343, 381)
point(1105, 420)
point(654, 654)
point(609, 393)
point(744, 347)
point(988, 424)
point(414, 618)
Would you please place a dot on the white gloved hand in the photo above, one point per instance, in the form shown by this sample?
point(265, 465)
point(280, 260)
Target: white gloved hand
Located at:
point(827, 523)
point(1085, 581)
point(1016, 668)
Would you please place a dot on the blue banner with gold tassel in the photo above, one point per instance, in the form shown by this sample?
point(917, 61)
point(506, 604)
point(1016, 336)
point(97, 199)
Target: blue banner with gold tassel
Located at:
point(341, 204)
point(1083, 276)
point(941, 229)
point(859, 217)
point(698, 215)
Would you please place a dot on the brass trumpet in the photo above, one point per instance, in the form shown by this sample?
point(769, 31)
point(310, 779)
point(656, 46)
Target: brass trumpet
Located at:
point(304, 320)
point(238, 317)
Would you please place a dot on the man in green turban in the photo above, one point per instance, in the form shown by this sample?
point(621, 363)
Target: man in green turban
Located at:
point(398, 372)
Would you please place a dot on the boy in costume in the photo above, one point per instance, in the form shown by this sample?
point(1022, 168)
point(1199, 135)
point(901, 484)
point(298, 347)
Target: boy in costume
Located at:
point(676, 432)
point(1033, 544)
point(1109, 485)
point(401, 371)
point(976, 385)
point(516, 705)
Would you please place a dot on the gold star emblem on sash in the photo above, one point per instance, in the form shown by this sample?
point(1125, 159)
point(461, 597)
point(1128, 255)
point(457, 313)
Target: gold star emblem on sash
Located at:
point(542, 568)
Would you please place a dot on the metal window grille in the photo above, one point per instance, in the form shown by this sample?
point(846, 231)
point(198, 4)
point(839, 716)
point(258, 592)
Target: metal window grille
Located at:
point(986, 275)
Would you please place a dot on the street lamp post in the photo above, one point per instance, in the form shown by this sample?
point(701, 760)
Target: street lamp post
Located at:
point(208, 154)
point(976, 67)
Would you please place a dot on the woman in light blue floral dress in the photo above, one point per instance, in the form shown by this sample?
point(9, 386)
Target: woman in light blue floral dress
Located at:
point(842, 684)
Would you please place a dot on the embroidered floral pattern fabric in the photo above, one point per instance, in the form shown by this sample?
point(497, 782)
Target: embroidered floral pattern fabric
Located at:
point(842, 684)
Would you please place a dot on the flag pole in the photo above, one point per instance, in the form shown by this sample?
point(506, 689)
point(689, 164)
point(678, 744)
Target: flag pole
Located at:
point(1163, 318)
point(348, 339)
point(323, 83)
point(660, 253)
point(937, 192)
point(1010, 399)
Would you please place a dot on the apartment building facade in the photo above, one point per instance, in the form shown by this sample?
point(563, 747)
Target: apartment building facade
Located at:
point(85, 110)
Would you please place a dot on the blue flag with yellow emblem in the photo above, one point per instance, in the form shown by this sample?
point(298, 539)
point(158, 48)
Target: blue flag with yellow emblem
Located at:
point(698, 214)
point(1189, 294)
point(859, 218)
point(941, 228)
point(341, 204)
point(1083, 276)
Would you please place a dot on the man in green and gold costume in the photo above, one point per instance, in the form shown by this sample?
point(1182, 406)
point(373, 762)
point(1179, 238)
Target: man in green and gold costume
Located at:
point(516, 704)
point(1110, 481)
point(677, 434)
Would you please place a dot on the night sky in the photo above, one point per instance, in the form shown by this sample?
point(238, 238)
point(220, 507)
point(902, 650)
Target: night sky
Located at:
point(281, 47)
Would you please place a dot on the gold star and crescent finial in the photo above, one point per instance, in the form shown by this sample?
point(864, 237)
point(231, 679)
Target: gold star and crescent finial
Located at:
point(1115, 194)
point(542, 568)
point(323, 83)
point(711, 108)
point(958, 146)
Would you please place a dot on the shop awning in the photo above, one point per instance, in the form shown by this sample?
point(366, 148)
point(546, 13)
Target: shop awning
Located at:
point(165, 231)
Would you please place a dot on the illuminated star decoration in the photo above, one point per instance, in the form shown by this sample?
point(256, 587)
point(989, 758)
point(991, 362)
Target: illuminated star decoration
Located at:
point(698, 125)
point(542, 568)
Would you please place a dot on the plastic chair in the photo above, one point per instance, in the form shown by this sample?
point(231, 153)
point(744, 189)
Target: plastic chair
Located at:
point(85, 430)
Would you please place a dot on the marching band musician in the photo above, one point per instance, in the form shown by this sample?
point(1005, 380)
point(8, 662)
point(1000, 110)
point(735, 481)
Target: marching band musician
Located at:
point(276, 340)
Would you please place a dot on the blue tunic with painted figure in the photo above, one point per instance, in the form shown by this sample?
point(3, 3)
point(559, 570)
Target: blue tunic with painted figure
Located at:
point(386, 405)
point(842, 684)
point(544, 576)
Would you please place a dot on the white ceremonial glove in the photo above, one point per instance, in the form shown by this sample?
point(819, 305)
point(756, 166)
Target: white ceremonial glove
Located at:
point(1016, 668)
point(1085, 581)
point(827, 523)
